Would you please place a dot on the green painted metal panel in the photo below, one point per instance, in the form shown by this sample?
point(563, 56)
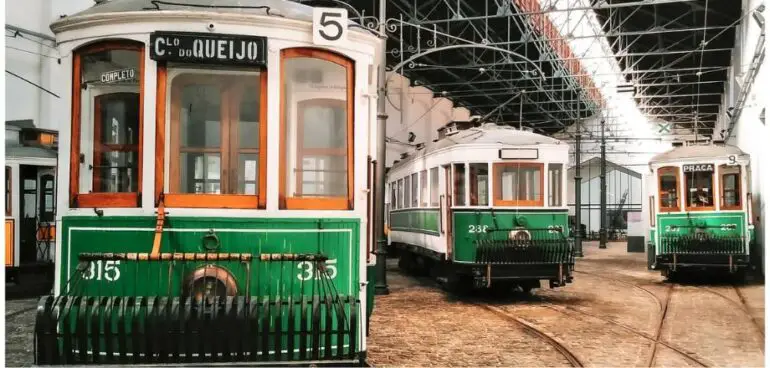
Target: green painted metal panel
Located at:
point(469, 226)
point(722, 225)
point(416, 220)
point(335, 238)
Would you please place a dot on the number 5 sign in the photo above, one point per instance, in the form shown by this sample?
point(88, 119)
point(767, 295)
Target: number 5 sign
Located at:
point(330, 26)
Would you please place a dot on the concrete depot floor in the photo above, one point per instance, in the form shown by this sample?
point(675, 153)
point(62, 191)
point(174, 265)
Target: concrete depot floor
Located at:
point(602, 318)
point(608, 317)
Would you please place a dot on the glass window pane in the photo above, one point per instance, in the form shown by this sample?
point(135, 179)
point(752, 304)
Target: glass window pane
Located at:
point(401, 194)
point(554, 185)
point(408, 191)
point(110, 111)
point(434, 194)
point(479, 184)
point(200, 115)
point(200, 173)
point(248, 126)
point(700, 189)
point(248, 169)
point(316, 118)
point(669, 195)
point(731, 191)
point(8, 191)
point(459, 181)
point(519, 183)
point(393, 194)
point(118, 172)
point(424, 188)
point(415, 192)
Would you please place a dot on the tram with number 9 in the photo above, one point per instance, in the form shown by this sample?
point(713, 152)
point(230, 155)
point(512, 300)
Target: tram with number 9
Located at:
point(700, 215)
point(483, 207)
point(215, 200)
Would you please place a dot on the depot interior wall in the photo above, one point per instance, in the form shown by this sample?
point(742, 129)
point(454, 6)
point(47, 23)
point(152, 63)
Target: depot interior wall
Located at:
point(36, 60)
point(750, 134)
point(415, 110)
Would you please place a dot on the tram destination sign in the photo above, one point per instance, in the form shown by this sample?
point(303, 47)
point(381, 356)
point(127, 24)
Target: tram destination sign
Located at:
point(208, 48)
point(698, 168)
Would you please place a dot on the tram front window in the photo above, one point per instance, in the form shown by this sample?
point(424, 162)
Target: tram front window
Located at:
point(317, 130)
point(215, 134)
point(668, 190)
point(700, 189)
point(112, 91)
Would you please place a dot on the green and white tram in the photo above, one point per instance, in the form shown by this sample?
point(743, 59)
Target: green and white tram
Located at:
point(700, 213)
point(483, 206)
point(216, 186)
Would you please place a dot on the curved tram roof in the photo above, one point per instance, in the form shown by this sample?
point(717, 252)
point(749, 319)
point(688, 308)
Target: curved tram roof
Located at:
point(488, 133)
point(281, 8)
point(688, 153)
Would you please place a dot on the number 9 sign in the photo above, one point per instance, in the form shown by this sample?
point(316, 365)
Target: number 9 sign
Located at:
point(330, 26)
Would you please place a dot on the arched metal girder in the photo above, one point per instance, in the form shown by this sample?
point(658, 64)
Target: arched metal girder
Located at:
point(416, 56)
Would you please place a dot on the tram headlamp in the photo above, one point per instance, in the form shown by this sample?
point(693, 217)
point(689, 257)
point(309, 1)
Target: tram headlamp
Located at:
point(519, 235)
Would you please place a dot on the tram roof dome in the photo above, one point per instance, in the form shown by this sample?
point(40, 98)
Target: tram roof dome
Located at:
point(487, 133)
point(283, 8)
point(697, 152)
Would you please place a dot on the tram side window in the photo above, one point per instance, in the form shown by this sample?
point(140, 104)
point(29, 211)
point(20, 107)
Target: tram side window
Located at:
point(8, 197)
point(700, 189)
point(415, 192)
point(393, 195)
point(479, 175)
point(424, 188)
point(459, 182)
point(401, 194)
point(731, 187)
point(47, 198)
point(518, 184)
point(107, 124)
point(434, 195)
point(668, 188)
point(408, 191)
point(317, 130)
point(554, 184)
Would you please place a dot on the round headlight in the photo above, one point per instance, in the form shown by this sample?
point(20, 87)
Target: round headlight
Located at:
point(520, 235)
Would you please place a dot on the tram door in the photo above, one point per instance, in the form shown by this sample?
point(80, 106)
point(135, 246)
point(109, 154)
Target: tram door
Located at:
point(447, 209)
point(46, 228)
point(28, 214)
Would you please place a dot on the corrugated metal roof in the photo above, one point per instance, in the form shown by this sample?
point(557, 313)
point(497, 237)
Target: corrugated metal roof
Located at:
point(29, 152)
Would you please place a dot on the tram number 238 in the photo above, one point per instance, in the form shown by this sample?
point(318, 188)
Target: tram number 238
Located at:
point(103, 270)
point(308, 270)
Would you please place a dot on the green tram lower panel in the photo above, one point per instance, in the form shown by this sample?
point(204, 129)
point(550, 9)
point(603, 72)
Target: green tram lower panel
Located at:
point(483, 236)
point(718, 233)
point(300, 304)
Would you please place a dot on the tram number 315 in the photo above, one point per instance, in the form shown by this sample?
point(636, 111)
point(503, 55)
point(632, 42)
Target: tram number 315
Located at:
point(102, 270)
point(308, 270)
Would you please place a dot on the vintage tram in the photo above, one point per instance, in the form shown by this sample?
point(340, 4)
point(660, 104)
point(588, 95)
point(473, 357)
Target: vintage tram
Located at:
point(30, 205)
point(215, 199)
point(483, 206)
point(700, 209)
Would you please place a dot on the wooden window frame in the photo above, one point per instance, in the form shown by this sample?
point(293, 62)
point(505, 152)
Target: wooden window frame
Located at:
point(497, 188)
point(686, 191)
point(457, 182)
point(473, 186)
point(424, 185)
point(679, 192)
point(192, 200)
point(8, 191)
point(287, 202)
point(106, 200)
point(738, 188)
point(560, 168)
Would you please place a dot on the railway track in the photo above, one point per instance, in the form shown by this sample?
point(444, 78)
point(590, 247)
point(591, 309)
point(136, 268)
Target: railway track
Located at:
point(573, 360)
point(18, 312)
point(663, 312)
